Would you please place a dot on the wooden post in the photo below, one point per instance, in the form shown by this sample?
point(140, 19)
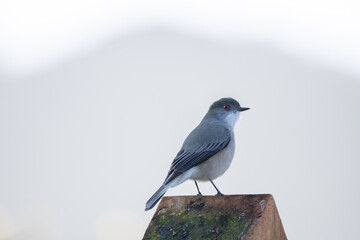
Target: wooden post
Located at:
point(247, 217)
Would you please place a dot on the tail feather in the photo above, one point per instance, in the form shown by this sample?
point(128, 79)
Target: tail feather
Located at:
point(156, 197)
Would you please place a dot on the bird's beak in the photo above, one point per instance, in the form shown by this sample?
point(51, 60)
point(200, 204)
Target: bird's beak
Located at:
point(243, 109)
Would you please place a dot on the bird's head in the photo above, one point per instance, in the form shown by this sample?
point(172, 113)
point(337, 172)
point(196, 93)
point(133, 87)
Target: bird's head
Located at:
point(226, 109)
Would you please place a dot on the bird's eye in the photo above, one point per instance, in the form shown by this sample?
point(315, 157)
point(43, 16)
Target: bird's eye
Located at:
point(226, 107)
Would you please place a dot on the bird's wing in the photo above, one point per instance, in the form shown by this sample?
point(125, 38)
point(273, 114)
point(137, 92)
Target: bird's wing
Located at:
point(201, 144)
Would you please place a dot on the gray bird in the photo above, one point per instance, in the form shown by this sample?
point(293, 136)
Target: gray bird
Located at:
point(208, 150)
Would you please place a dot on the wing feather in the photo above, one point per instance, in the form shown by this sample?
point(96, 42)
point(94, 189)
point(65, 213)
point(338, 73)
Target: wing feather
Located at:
point(191, 157)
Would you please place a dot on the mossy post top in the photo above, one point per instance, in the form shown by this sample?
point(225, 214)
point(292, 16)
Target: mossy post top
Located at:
point(225, 217)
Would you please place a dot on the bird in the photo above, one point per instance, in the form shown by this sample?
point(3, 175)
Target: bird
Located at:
point(207, 152)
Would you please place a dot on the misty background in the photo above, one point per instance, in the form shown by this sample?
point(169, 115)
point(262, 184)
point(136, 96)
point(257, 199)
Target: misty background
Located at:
point(97, 98)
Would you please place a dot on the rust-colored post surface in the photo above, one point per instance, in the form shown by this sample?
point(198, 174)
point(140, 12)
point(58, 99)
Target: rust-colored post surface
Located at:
point(247, 217)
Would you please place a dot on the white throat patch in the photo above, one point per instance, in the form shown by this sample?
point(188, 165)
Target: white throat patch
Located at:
point(232, 118)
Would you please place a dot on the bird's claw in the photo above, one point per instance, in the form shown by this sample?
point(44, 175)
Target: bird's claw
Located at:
point(218, 194)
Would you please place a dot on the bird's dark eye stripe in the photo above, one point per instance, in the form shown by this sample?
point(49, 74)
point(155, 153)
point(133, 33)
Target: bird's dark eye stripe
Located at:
point(226, 107)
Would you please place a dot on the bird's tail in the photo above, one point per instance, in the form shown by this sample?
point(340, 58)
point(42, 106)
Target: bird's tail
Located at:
point(156, 197)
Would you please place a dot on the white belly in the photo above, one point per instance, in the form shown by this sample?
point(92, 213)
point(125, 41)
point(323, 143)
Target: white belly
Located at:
point(214, 166)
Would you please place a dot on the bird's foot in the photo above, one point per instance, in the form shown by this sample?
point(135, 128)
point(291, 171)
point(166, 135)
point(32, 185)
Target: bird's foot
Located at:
point(218, 194)
point(199, 194)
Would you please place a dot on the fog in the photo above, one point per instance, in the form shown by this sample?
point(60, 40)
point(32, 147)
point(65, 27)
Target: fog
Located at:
point(84, 144)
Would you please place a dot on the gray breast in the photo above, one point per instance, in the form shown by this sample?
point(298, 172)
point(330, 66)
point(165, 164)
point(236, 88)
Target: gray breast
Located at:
point(216, 165)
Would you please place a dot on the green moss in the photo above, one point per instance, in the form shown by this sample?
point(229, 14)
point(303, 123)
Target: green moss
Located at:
point(153, 235)
point(179, 213)
point(162, 218)
point(196, 224)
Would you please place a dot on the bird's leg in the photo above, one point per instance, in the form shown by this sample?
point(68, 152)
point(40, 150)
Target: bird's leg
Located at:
point(199, 193)
point(218, 191)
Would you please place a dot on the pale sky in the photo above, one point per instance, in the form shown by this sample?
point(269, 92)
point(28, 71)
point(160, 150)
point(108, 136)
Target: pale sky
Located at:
point(96, 98)
point(39, 33)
